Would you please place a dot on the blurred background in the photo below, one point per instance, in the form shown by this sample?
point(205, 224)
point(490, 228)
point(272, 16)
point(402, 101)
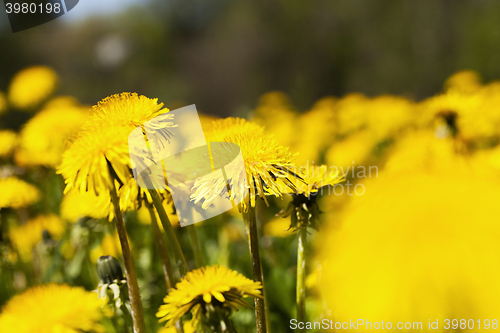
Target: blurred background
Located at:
point(223, 55)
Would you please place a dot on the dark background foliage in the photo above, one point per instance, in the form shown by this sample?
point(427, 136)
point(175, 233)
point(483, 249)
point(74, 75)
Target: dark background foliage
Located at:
point(222, 55)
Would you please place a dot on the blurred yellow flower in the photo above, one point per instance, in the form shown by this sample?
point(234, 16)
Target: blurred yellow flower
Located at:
point(277, 227)
point(17, 193)
point(352, 151)
point(31, 86)
point(422, 151)
point(216, 285)
point(52, 308)
point(3, 102)
point(60, 102)
point(110, 246)
point(275, 113)
point(43, 138)
point(265, 161)
point(76, 205)
point(317, 129)
point(26, 236)
point(388, 115)
point(464, 81)
point(8, 140)
point(352, 113)
point(413, 248)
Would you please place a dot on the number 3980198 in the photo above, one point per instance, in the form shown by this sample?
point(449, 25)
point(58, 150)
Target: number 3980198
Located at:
point(32, 8)
point(470, 324)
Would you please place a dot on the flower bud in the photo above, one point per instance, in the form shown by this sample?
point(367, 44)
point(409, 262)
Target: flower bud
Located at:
point(109, 269)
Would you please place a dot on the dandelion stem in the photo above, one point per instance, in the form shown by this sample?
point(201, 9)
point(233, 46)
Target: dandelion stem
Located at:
point(166, 265)
point(180, 261)
point(301, 276)
point(253, 240)
point(198, 255)
point(164, 258)
point(132, 285)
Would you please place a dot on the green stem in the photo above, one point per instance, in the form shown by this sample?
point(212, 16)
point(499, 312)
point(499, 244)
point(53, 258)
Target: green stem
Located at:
point(180, 261)
point(198, 255)
point(301, 276)
point(164, 258)
point(127, 316)
point(166, 265)
point(132, 285)
point(253, 240)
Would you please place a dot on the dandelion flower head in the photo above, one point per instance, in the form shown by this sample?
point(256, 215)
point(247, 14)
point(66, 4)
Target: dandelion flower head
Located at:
point(8, 140)
point(215, 285)
point(125, 109)
point(464, 81)
point(101, 147)
point(316, 177)
point(43, 139)
point(265, 161)
point(31, 86)
point(52, 308)
point(408, 250)
point(76, 205)
point(25, 237)
point(17, 193)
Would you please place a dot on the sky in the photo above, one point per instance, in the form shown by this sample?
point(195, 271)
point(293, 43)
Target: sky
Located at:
point(86, 8)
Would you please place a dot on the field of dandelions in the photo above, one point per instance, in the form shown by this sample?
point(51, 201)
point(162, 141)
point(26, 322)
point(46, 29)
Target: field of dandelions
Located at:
point(381, 208)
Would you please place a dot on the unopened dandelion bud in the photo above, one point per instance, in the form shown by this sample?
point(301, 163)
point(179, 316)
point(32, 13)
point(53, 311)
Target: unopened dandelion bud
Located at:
point(109, 269)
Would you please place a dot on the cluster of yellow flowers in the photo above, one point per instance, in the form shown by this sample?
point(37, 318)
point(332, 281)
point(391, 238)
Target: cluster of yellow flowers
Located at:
point(418, 242)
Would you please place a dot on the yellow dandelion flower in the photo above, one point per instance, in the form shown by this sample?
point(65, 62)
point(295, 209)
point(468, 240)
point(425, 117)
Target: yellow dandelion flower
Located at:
point(8, 140)
point(422, 151)
point(126, 109)
point(389, 115)
point(26, 236)
point(275, 113)
point(353, 150)
point(413, 248)
point(317, 128)
point(3, 102)
point(265, 161)
point(277, 227)
point(316, 177)
point(31, 86)
point(43, 138)
point(110, 246)
point(352, 113)
point(464, 81)
point(212, 285)
point(85, 163)
point(52, 308)
point(103, 140)
point(17, 193)
point(303, 209)
point(76, 205)
point(60, 102)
